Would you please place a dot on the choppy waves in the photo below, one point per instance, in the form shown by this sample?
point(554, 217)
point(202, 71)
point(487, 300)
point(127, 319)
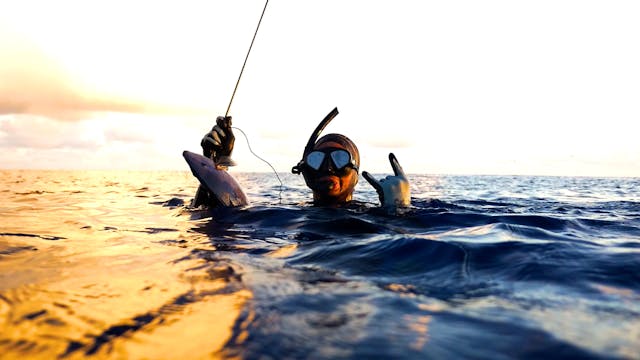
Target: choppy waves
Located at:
point(510, 277)
point(479, 267)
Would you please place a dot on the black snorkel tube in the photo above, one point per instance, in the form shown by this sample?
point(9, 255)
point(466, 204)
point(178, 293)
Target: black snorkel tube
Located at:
point(298, 169)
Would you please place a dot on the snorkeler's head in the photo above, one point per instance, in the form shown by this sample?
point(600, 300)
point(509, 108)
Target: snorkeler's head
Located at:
point(330, 169)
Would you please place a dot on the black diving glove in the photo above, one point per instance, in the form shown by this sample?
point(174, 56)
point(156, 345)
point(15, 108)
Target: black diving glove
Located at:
point(218, 143)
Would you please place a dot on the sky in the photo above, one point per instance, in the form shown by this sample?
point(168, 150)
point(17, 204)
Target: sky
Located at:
point(451, 87)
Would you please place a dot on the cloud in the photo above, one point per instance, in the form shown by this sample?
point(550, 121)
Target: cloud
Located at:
point(32, 83)
point(127, 131)
point(40, 133)
point(111, 141)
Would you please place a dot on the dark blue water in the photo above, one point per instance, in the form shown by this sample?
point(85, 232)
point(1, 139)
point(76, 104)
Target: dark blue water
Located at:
point(487, 267)
point(480, 267)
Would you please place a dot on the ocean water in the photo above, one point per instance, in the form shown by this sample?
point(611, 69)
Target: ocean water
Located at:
point(115, 265)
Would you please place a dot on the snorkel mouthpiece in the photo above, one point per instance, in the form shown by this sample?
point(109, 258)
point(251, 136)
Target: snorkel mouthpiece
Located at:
point(312, 140)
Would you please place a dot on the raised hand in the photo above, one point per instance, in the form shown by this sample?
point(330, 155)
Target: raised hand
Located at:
point(393, 191)
point(218, 143)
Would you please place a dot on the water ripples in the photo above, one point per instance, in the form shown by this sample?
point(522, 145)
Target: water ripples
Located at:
point(113, 264)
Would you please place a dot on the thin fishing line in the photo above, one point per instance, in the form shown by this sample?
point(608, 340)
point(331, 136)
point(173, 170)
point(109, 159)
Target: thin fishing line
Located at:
point(246, 58)
point(268, 163)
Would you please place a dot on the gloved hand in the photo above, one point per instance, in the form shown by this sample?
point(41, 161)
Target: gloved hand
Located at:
point(218, 143)
point(393, 191)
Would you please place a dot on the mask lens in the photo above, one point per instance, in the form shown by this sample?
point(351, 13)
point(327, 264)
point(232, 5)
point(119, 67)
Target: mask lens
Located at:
point(341, 158)
point(315, 159)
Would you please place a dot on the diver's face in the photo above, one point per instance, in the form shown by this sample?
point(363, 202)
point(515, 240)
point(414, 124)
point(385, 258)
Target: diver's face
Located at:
point(332, 185)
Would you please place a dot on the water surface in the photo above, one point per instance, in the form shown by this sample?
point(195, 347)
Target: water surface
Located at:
point(113, 264)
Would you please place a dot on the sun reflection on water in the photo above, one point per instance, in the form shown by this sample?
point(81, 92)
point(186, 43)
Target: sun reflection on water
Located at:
point(90, 272)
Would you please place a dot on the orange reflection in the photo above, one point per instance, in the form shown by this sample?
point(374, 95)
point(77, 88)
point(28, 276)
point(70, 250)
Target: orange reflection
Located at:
point(201, 330)
point(420, 325)
point(283, 252)
point(89, 267)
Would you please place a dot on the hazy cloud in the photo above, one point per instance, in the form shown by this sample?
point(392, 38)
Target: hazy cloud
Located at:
point(28, 131)
point(129, 131)
point(33, 84)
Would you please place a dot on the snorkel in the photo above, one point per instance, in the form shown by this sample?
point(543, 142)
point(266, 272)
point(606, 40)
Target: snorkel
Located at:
point(333, 179)
point(299, 168)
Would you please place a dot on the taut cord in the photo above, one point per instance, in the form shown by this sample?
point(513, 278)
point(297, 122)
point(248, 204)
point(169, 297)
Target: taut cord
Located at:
point(246, 58)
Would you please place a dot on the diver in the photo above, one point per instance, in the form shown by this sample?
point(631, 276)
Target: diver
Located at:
point(329, 165)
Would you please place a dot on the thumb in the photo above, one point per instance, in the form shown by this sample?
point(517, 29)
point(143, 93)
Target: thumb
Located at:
point(371, 180)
